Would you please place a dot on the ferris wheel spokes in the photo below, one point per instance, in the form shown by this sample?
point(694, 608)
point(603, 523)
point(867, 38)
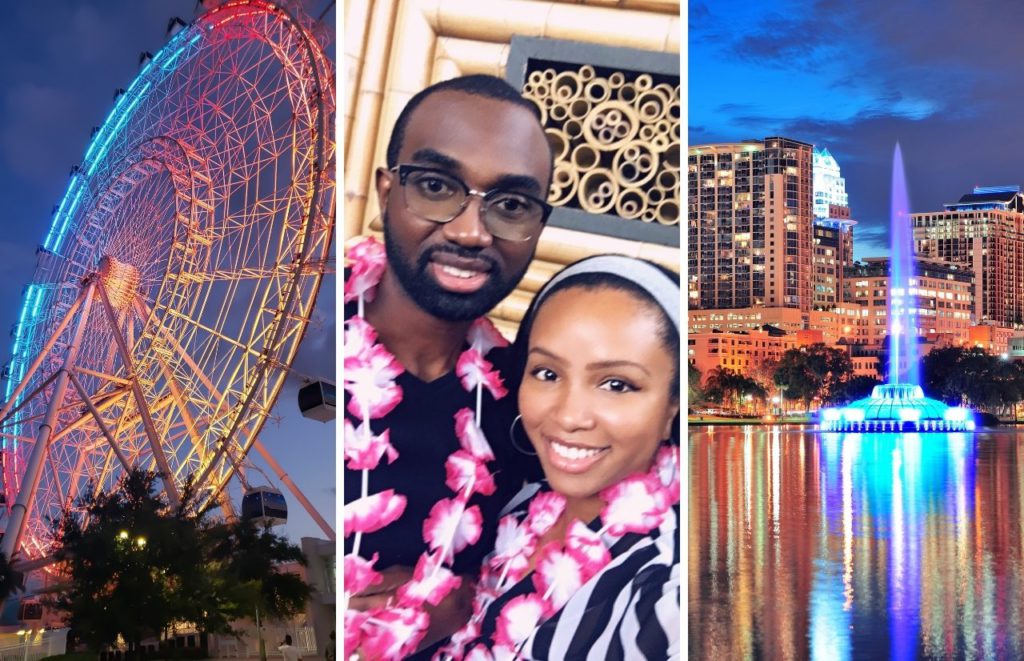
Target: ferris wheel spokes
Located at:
point(223, 448)
point(140, 399)
point(33, 471)
point(98, 417)
point(50, 342)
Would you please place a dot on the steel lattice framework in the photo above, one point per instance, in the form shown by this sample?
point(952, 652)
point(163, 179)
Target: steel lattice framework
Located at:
point(179, 274)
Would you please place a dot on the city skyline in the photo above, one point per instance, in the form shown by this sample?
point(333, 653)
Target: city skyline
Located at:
point(798, 70)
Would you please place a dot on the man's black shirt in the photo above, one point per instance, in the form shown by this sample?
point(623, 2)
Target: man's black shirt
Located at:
point(422, 430)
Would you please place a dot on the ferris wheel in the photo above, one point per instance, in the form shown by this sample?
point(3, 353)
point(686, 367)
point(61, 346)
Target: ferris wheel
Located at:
point(179, 273)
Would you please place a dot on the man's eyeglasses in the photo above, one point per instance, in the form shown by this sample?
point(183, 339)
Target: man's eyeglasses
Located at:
point(437, 196)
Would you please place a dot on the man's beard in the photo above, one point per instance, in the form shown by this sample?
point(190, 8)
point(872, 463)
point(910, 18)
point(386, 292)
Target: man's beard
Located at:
point(425, 291)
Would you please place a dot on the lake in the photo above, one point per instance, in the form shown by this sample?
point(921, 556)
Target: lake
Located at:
point(864, 546)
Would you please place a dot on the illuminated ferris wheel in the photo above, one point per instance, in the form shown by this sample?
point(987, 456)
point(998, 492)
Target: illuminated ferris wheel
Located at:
point(179, 274)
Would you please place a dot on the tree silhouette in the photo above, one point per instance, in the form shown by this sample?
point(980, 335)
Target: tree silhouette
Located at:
point(136, 565)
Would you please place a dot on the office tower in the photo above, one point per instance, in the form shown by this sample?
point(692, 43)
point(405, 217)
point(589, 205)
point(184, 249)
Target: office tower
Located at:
point(832, 253)
point(984, 233)
point(829, 185)
point(832, 231)
point(750, 225)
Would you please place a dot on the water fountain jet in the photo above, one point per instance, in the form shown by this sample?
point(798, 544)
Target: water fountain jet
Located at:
point(899, 405)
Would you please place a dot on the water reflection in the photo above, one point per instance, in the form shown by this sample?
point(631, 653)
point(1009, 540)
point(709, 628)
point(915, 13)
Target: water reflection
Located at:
point(855, 546)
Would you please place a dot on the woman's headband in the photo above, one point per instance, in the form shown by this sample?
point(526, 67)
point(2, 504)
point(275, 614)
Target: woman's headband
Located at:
point(644, 275)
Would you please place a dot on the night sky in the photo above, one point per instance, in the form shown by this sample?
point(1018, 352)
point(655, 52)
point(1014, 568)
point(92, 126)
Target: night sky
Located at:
point(942, 78)
point(62, 61)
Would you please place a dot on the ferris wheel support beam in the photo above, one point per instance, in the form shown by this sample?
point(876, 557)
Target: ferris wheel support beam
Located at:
point(294, 488)
point(34, 470)
point(167, 476)
point(30, 372)
point(112, 398)
point(142, 310)
point(40, 388)
point(101, 375)
point(99, 422)
point(186, 416)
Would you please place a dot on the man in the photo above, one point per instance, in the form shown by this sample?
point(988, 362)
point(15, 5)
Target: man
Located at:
point(462, 203)
point(288, 651)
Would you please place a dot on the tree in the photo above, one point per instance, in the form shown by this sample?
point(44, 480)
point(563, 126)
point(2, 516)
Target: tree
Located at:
point(11, 581)
point(137, 566)
point(729, 388)
point(972, 376)
point(854, 388)
point(251, 555)
point(812, 372)
point(694, 393)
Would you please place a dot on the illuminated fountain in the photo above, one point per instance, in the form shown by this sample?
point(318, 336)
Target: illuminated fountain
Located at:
point(900, 404)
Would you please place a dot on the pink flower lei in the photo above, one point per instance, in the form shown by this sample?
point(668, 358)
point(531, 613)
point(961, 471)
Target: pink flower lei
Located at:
point(637, 504)
point(395, 630)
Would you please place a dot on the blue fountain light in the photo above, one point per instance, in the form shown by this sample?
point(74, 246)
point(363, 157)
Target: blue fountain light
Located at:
point(900, 405)
point(897, 407)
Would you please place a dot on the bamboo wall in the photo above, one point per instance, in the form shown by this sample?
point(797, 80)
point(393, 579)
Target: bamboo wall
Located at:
point(623, 141)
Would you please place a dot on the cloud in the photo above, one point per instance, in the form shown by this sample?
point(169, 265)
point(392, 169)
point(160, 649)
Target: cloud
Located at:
point(788, 43)
point(736, 107)
point(697, 15)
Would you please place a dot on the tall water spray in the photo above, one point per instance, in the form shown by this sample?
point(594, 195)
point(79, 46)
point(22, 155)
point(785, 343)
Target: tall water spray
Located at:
point(904, 366)
point(899, 405)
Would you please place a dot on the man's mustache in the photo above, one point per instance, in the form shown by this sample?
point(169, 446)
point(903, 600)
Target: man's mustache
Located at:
point(459, 251)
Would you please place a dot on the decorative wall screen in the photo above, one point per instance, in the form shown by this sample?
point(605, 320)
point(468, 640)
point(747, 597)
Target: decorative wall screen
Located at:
point(612, 116)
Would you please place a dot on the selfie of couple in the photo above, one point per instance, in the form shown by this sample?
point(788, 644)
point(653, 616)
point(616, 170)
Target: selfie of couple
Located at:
point(503, 500)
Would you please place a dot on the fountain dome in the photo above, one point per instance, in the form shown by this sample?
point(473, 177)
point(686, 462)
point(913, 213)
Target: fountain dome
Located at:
point(897, 407)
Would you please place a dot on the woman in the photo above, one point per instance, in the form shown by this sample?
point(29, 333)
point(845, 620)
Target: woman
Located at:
point(586, 563)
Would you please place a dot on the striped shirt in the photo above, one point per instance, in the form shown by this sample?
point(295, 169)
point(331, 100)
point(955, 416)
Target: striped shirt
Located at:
point(629, 610)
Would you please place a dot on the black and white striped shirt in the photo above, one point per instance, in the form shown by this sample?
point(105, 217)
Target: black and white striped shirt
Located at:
point(629, 610)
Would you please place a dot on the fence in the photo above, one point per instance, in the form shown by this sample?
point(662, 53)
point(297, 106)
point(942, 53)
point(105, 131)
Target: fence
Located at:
point(33, 648)
point(247, 646)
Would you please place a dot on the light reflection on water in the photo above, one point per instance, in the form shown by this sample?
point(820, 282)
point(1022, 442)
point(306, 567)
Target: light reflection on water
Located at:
point(830, 546)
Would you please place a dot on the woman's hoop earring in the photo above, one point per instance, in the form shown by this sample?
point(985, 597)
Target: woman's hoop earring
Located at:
point(512, 437)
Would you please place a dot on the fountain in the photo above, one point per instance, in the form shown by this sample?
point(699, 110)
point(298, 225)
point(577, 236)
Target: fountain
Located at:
point(900, 404)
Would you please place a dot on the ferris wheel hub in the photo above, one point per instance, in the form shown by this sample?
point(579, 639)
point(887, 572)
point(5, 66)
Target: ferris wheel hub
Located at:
point(121, 281)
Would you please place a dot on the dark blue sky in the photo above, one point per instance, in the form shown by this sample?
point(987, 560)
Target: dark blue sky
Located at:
point(942, 78)
point(62, 61)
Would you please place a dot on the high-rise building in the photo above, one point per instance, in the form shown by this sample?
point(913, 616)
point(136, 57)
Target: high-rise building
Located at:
point(832, 253)
point(750, 224)
point(829, 185)
point(984, 233)
point(832, 232)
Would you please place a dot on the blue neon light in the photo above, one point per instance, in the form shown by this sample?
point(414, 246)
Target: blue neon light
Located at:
point(97, 150)
point(94, 154)
point(117, 127)
point(33, 301)
point(67, 219)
